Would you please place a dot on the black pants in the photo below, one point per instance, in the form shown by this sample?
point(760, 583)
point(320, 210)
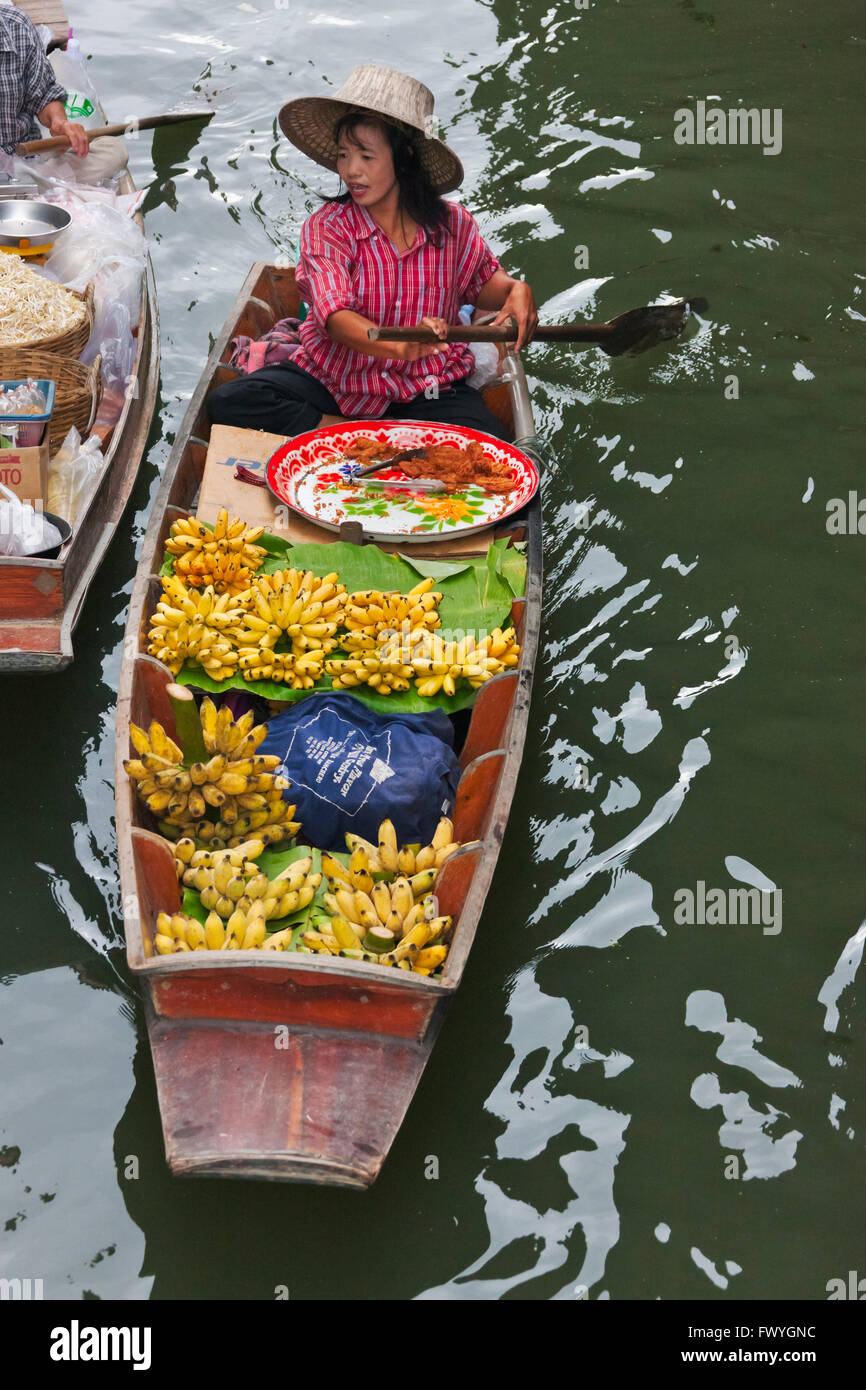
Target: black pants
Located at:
point(284, 399)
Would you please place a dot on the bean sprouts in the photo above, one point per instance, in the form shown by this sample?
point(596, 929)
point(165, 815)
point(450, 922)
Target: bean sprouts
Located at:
point(31, 307)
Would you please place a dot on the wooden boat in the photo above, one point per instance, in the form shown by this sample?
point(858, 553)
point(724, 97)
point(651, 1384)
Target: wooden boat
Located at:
point(41, 600)
point(325, 1107)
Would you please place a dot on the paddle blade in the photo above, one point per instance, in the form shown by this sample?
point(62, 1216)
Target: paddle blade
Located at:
point(640, 329)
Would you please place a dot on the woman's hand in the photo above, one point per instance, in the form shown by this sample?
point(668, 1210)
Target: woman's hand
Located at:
point(520, 305)
point(413, 352)
point(75, 134)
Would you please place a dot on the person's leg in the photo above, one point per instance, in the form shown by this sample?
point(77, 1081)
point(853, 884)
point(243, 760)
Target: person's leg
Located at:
point(457, 404)
point(106, 157)
point(282, 399)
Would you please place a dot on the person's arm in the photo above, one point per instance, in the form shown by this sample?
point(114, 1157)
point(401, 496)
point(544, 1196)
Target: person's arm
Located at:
point(350, 329)
point(483, 282)
point(53, 115)
point(514, 299)
point(43, 95)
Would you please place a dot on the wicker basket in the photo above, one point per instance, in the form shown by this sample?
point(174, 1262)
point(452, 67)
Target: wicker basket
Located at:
point(78, 388)
point(70, 344)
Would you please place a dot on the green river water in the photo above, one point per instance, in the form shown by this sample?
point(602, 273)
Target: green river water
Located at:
point(620, 1101)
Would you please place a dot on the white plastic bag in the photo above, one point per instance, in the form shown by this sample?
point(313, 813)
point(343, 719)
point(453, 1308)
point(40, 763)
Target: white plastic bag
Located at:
point(23, 530)
point(105, 246)
point(112, 338)
point(486, 357)
point(73, 475)
point(70, 69)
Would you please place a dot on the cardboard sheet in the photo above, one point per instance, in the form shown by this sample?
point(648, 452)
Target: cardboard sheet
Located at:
point(25, 471)
point(230, 446)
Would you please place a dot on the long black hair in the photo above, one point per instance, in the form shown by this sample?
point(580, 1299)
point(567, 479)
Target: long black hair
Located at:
point(416, 195)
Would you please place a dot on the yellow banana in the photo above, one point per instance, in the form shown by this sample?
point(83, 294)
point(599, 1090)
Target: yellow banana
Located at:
point(444, 834)
point(444, 853)
point(334, 869)
point(365, 910)
point(139, 740)
point(381, 899)
point(196, 937)
point(402, 897)
point(425, 859)
point(344, 933)
point(255, 934)
point(430, 958)
point(348, 908)
point(406, 862)
point(214, 931)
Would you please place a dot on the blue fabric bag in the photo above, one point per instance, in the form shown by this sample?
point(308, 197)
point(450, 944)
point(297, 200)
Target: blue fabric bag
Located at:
point(351, 768)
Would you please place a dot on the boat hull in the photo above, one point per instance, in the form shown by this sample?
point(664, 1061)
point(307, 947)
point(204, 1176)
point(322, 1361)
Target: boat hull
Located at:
point(280, 1101)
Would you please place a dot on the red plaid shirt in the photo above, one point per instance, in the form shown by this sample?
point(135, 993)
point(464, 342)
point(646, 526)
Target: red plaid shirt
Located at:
point(347, 262)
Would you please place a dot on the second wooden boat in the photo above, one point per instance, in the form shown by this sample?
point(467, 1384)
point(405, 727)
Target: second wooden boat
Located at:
point(279, 1065)
point(41, 600)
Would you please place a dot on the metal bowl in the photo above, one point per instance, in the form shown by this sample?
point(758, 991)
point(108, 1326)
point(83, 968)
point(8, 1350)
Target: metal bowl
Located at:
point(30, 228)
point(65, 532)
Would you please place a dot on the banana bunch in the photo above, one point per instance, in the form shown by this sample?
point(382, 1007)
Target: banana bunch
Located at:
point(262, 663)
point(229, 880)
point(177, 932)
point(235, 780)
point(271, 825)
point(239, 898)
point(188, 855)
point(386, 916)
point(194, 625)
point(368, 669)
point(245, 931)
point(370, 611)
point(441, 665)
point(385, 859)
point(225, 557)
point(295, 602)
point(392, 660)
point(388, 927)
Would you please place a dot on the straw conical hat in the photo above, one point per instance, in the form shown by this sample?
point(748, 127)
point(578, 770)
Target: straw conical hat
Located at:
point(309, 121)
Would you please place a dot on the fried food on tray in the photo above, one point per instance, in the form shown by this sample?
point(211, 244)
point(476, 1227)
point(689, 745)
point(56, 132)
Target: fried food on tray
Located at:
point(364, 450)
point(456, 468)
point(460, 468)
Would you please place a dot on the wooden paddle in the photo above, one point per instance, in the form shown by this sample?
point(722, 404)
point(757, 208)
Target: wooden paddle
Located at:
point(58, 142)
point(633, 332)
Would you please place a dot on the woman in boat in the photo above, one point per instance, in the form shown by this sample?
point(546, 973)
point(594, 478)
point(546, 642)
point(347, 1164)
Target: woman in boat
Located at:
point(388, 250)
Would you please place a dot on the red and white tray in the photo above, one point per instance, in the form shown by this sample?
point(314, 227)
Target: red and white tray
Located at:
point(309, 475)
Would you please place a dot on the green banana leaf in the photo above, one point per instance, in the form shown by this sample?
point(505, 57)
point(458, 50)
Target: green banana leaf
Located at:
point(513, 567)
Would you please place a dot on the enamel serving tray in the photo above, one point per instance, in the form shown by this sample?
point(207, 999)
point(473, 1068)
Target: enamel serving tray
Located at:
point(309, 472)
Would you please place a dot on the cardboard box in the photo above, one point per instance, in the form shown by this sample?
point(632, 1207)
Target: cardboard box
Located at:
point(25, 471)
point(230, 446)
